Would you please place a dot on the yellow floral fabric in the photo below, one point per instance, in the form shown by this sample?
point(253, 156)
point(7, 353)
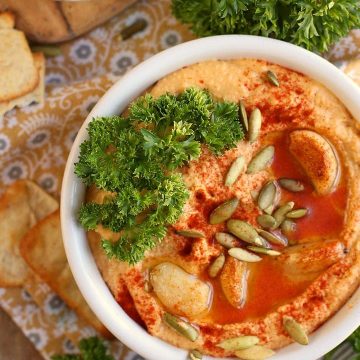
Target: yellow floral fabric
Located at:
point(35, 142)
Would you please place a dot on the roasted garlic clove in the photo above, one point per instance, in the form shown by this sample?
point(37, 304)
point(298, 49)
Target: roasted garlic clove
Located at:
point(317, 157)
point(180, 292)
point(233, 280)
point(311, 257)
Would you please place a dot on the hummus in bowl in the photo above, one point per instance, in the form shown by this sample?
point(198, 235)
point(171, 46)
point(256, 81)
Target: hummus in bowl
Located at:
point(267, 255)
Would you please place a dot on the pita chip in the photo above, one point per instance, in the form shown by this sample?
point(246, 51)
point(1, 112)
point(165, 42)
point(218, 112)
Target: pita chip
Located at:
point(23, 204)
point(37, 95)
point(43, 250)
point(18, 74)
point(7, 20)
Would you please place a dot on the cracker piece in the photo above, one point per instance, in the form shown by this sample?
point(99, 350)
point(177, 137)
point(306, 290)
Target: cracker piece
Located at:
point(18, 74)
point(84, 15)
point(43, 250)
point(41, 20)
point(37, 95)
point(41, 294)
point(7, 20)
point(23, 204)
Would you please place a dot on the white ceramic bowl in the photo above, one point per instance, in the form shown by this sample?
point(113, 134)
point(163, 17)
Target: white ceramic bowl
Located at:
point(114, 101)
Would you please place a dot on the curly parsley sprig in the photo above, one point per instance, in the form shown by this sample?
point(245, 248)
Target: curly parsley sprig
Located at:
point(91, 348)
point(354, 340)
point(312, 24)
point(135, 159)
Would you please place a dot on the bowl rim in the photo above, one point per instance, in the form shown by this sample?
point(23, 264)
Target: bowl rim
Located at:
point(140, 78)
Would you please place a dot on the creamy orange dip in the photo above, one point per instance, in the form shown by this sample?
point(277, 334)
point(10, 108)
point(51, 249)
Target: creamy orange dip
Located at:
point(318, 269)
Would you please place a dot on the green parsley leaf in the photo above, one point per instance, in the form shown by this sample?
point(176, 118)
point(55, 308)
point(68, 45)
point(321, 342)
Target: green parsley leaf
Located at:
point(135, 160)
point(91, 348)
point(354, 340)
point(312, 24)
point(66, 357)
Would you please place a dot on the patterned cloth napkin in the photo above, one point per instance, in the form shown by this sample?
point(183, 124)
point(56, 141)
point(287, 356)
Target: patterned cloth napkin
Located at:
point(35, 141)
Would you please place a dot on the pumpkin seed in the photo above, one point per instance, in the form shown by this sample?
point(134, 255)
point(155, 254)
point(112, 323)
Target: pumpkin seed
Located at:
point(216, 266)
point(243, 115)
point(254, 194)
point(254, 125)
point(244, 231)
point(235, 169)
point(297, 213)
point(273, 238)
point(281, 212)
point(269, 210)
point(47, 50)
point(134, 28)
point(272, 78)
point(261, 250)
point(195, 355)
point(261, 160)
point(295, 330)
point(226, 240)
point(256, 352)
point(266, 221)
point(190, 233)
point(267, 195)
point(265, 244)
point(239, 343)
point(288, 226)
point(223, 211)
point(291, 184)
point(181, 326)
point(243, 255)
